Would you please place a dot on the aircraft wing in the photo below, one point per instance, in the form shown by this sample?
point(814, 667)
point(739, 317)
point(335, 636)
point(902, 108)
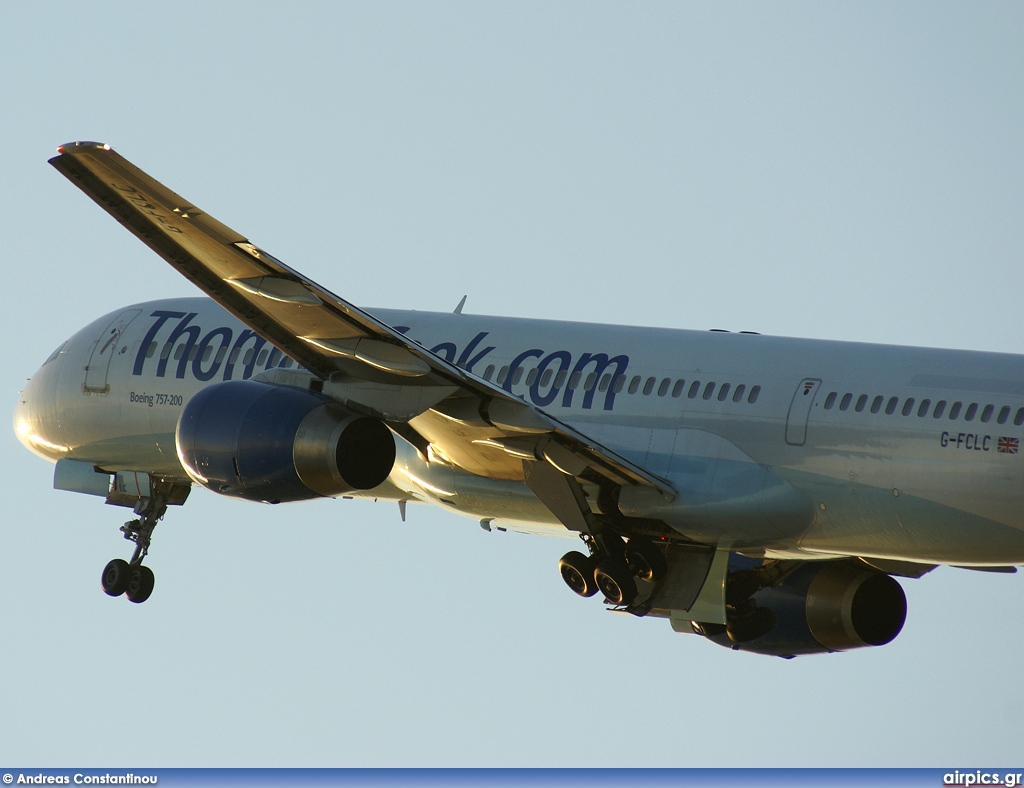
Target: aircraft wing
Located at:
point(472, 422)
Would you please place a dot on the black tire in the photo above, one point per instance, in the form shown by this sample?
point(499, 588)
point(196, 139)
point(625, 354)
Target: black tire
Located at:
point(115, 577)
point(616, 582)
point(140, 584)
point(756, 623)
point(577, 571)
point(645, 560)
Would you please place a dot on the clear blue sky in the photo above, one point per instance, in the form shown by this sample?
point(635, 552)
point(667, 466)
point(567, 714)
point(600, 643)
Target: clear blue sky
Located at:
point(845, 171)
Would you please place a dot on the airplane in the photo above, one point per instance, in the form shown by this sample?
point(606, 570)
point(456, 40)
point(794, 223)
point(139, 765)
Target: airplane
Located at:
point(762, 492)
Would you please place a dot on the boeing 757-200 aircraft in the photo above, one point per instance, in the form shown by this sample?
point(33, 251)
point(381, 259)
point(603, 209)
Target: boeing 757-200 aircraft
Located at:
point(762, 492)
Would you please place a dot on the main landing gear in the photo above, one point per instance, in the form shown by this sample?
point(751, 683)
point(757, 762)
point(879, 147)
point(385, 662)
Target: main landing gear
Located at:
point(612, 567)
point(131, 578)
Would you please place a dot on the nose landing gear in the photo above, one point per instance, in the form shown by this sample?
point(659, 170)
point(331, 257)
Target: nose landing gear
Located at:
point(131, 578)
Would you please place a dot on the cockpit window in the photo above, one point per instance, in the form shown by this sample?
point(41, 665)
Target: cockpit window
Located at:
point(54, 354)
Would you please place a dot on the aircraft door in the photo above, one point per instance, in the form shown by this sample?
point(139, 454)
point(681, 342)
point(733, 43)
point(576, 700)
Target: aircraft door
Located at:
point(800, 411)
point(103, 351)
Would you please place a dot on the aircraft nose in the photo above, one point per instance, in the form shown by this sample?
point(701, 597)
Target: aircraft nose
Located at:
point(36, 419)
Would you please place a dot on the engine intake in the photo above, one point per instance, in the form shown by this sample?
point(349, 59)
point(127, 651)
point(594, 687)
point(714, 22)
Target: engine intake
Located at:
point(274, 444)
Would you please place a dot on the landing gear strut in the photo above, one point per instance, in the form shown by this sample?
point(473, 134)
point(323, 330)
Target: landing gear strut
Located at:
point(131, 578)
point(612, 567)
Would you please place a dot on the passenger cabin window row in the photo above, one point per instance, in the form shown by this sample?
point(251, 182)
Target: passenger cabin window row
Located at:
point(648, 387)
point(179, 350)
point(925, 407)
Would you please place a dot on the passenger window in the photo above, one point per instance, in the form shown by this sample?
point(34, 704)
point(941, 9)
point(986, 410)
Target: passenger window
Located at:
point(562, 375)
point(845, 404)
point(149, 351)
point(972, 409)
point(678, 388)
point(545, 379)
point(830, 400)
point(986, 415)
point(876, 404)
point(620, 381)
point(606, 378)
point(723, 393)
point(908, 406)
point(648, 386)
point(694, 388)
point(574, 381)
point(862, 400)
point(890, 407)
point(923, 410)
point(234, 355)
point(517, 376)
point(709, 390)
point(1019, 418)
point(663, 388)
point(179, 351)
point(634, 384)
point(940, 407)
point(738, 394)
point(954, 411)
point(532, 377)
point(488, 372)
point(502, 375)
point(591, 380)
point(223, 352)
point(248, 356)
point(754, 393)
point(1004, 414)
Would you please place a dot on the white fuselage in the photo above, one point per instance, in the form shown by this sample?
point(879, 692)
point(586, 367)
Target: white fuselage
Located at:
point(776, 446)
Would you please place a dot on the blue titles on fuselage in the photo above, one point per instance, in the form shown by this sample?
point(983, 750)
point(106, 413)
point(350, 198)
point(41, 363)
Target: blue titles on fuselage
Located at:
point(554, 377)
point(204, 365)
point(556, 372)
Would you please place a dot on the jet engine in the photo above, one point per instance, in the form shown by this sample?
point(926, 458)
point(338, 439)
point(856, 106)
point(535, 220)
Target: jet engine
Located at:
point(821, 607)
point(273, 443)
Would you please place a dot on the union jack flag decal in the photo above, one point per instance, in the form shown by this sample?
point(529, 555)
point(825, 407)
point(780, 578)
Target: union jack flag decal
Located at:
point(1008, 445)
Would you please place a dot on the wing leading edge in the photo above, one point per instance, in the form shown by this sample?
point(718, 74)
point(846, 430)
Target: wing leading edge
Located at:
point(477, 424)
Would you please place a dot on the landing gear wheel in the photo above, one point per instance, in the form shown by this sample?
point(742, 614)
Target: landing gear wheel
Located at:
point(757, 622)
point(140, 584)
point(645, 561)
point(578, 573)
point(115, 577)
point(616, 582)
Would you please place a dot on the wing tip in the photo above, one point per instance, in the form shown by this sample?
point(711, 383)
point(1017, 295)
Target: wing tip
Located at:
point(67, 147)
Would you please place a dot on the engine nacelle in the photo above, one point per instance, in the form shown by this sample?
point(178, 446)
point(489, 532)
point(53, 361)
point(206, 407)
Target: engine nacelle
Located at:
point(827, 606)
point(276, 443)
